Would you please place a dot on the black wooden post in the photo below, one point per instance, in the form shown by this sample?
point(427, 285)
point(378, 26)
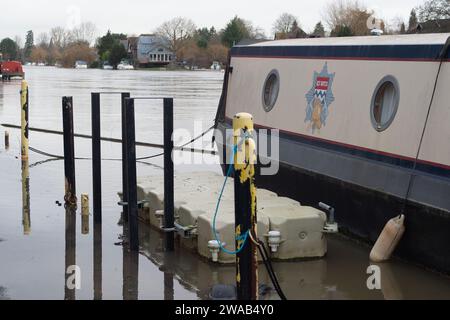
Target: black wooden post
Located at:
point(131, 190)
point(96, 157)
point(168, 175)
point(69, 151)
point(124, 97)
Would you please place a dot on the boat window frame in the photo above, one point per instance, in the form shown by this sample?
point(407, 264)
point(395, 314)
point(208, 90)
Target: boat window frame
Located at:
point(380, 127)
point(269, 107)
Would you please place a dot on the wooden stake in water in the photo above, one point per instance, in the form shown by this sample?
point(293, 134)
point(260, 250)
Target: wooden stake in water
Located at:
point(6, 140)
point(69, 152)
point(84, 213)
point(24, 119)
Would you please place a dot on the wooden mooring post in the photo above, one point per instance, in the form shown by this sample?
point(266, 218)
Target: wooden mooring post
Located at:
point(69, 152)
point(131, 189)
point(124, 98)
point(169, 204)
point(245, 208)
point(96, 157)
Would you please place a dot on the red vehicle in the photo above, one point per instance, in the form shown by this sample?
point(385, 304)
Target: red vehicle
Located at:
point(10, 69)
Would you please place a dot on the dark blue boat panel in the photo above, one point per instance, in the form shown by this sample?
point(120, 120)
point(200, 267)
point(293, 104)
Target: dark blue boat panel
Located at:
point(375, 52)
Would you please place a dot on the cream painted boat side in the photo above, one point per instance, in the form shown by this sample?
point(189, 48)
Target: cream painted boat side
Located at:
point(436, 143)
point(349, 119)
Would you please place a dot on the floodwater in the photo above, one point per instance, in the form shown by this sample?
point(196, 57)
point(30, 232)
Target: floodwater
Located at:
point(37, 247)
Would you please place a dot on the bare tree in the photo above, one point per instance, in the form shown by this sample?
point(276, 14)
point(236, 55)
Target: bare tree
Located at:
point(176, 32)
point(350, 14)
point(43, 40)
point(396, 26)
point(257, 33)
point(19, 42)
point(284, 23)
point(85, 32)
point(58, 36)
point(434, 10)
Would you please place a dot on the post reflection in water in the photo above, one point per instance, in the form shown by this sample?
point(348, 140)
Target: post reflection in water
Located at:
point(130, 289)
point(98, 292)
point(168, 276)
point(70, 258)
point(26, 219)
point(84, 225)
point(389, 284)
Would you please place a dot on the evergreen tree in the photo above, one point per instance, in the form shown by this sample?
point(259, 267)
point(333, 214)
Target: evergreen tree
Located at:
point(106, 43)
point(412, 20)
point(29, 44)
point(9, 49)
point(342, 31)
point(235, 31)
point(402, 28)
point(117, 53)
point(319, 30)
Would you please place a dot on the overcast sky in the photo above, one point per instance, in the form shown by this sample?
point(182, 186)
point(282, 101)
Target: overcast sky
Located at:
point(143, 16)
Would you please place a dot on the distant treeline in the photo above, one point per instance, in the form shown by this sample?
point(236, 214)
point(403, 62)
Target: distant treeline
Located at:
point(202, 46)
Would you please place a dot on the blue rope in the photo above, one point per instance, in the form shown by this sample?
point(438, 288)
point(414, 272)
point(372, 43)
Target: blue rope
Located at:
point(243, 237)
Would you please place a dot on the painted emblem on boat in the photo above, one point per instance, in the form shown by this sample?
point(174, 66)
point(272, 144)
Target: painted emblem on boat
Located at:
point(319, 99)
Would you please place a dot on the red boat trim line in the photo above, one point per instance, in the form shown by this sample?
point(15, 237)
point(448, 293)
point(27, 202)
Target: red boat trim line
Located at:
point(349, 146)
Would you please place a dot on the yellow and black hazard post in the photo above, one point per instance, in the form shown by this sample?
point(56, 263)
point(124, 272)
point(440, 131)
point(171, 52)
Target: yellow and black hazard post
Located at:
point(26, 220)
point(245, 207)
point(24, 119)
point(24, 152)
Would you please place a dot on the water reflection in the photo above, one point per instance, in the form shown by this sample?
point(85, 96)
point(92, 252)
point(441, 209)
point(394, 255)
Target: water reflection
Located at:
point(84, 224)
point(168, 276)
point(26, 219)
point(389, 284)
point(316, 279)
point(98, 254)
point(70, 258)
point(130, 263)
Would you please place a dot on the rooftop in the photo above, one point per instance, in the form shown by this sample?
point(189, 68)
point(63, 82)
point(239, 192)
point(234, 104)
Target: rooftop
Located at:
point(431, 38)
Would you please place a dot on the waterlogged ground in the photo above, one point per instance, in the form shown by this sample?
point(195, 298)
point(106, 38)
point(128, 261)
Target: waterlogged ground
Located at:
point(36, 248)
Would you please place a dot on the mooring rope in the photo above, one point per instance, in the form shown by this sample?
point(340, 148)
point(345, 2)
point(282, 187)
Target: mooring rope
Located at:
point(412, 176)
point(181, 148)
point(243, 237)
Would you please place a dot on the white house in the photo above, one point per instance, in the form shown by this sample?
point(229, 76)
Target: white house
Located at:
point(153, 49)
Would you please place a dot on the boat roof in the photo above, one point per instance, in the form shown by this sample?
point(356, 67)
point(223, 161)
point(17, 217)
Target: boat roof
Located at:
point(410, 39)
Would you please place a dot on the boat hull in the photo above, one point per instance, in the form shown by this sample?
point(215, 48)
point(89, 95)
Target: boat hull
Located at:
point(364, 197)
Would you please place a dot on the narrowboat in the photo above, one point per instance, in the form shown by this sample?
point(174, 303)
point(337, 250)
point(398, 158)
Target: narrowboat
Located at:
point(363, 125)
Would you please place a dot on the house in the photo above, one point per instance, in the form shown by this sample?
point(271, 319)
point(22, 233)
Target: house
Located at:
point(153, 50)
point(432, 26)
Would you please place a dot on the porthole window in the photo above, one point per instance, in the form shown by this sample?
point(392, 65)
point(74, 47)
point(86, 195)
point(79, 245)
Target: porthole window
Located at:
point(270, 90)
point(385, 103)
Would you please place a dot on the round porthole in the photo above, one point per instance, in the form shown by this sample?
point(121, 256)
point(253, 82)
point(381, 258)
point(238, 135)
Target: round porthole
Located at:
point(270, 90)
point(385, 103)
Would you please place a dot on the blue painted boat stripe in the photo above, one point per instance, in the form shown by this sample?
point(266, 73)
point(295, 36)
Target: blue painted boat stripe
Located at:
point(375, 52)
